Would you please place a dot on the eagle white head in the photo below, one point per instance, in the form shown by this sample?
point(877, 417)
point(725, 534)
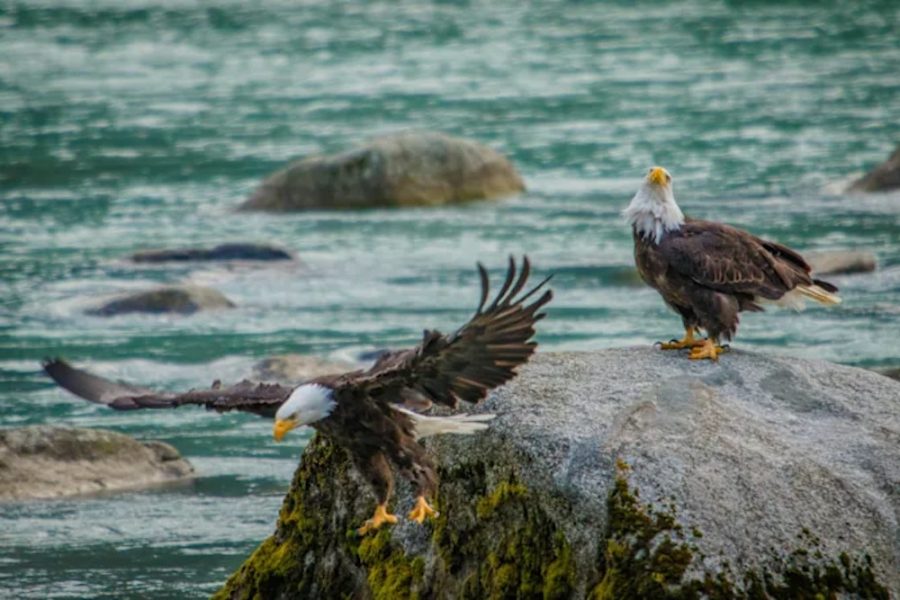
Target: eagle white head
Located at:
point(307, 404)
point(653, 210)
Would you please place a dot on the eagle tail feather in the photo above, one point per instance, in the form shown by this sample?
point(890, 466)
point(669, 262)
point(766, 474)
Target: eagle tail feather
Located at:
point(820, 293)
point(459, 424)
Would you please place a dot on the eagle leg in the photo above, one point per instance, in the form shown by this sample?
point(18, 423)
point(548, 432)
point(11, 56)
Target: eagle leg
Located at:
point(422, 510)
point(688, 341)
point(710, 349)
point(380, 517)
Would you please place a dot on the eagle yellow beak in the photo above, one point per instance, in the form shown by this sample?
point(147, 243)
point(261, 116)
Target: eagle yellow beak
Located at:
point(281, 427)
point(658, 176)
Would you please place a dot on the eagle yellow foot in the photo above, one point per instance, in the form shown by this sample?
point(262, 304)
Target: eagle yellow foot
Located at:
point(421, 510)
point(709, 349)
point(688, 341)
point(380, 517)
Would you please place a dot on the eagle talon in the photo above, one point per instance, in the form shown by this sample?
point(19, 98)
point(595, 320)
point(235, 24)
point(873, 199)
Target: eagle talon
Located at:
point(688, 341)
point(381, 517)
point(709, 349)
point(421, 510)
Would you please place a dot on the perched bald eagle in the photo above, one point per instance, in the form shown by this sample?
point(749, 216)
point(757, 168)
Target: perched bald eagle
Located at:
point(370, 412)
point(709, 272)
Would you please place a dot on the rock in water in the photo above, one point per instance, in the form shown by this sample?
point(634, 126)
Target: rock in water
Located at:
point(296, 368)
point(408, 169)
point(50, 462)
point(840, 262)
point(222, 252)
point(627, 474)
point(180, 299)
point(883, 178)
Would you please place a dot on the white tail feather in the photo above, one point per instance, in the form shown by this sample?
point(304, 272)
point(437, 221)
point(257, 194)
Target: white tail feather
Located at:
point(461, 424)
point(818, 294)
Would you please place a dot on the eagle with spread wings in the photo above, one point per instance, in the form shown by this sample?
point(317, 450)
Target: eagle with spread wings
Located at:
point(375, 413)
point(710, 272)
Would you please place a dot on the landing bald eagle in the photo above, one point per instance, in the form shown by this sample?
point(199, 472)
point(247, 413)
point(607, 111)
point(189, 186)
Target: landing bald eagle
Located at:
point(369, 412)
point(709, 272)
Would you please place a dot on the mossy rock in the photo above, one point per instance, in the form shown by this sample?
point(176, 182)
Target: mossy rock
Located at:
point(418, 168)
point(753, 478)
point(50, 462)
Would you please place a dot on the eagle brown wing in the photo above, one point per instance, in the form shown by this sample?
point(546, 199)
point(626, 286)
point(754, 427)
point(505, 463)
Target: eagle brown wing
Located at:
point(733, 261)
point(483, 354)
point(259, 398)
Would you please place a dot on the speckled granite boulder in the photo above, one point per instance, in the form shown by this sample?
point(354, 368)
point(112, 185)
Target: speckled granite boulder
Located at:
point(177, 299)
point(50, 462)
point(407, 169)
point(626, 473)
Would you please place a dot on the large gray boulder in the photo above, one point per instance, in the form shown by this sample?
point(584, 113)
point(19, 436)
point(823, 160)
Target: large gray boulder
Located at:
point(622, 474)
point(883, 178)
point(407, 169)
point(50, 462)
point(178, 299)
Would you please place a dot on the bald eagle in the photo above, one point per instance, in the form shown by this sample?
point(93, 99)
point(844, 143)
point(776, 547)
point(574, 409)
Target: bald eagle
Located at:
point(709, 272)
point(370, 412)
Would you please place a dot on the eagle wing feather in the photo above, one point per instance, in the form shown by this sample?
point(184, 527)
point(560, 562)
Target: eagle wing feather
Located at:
point(730, 260)
point(481, 355)
point(259, 398)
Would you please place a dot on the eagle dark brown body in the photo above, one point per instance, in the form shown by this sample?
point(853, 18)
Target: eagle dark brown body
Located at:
point(710, 272)
point(371, 412)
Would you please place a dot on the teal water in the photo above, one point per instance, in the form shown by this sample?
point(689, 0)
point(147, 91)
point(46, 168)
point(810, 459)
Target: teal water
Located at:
point(141, 124)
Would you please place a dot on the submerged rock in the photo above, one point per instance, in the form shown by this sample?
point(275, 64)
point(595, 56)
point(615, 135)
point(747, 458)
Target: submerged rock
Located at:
point(180, 299)
point(222, 252)
point(883, 178)
point(841, 262)
point(50, 462)
point(296, 368)
point(407, 169)
point(627, 474)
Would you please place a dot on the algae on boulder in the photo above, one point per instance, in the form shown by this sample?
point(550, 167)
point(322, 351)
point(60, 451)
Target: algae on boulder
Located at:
point(50, 462)
point(407, 169)
point(753, 477)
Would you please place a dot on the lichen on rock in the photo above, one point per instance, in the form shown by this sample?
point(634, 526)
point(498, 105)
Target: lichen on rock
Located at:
point(753, 478)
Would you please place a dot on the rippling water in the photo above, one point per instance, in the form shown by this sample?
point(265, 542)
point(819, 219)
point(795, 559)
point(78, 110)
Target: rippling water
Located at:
point(141, 124)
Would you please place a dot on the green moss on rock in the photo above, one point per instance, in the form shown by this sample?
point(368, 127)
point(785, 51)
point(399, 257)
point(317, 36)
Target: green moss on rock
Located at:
point(646, 557)
point(494, 539)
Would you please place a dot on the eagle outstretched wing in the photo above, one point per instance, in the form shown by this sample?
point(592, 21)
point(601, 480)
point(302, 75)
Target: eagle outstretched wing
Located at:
point(730, 260)
point(481, 355)
point(259, 398)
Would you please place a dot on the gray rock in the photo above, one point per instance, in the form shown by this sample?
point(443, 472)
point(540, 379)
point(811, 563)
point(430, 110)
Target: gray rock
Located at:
point(51, 462)
point(180, 299)
point(222, 252)
point(841, 262)
point(296, 368)
point(883, 178)
point(764, 473)
point(407, 169)
point(892, 372)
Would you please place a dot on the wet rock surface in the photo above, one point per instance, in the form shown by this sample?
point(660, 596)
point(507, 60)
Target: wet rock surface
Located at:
point(222, 252)
point(883, 178)
point(177, 299)
point(407, 169)
point(52, 462)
